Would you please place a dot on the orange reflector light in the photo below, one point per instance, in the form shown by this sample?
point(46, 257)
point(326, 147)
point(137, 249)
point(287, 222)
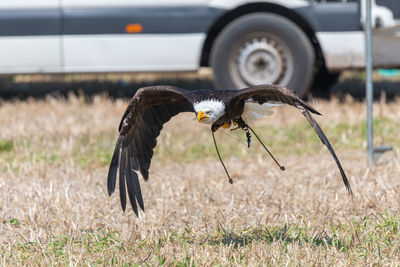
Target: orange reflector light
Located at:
point(133, 28)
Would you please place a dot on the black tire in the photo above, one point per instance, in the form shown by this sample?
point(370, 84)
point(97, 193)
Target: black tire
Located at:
point(323, 82)
point(261, 48)
point(6, 82)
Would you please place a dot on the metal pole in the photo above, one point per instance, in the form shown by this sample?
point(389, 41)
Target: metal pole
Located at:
point(369, 93)
point(373, 152)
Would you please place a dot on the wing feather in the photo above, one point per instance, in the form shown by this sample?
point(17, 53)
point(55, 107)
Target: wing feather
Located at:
point(275, 93)
point(158, 123)
point(112, 172)
point(122, 171)
point(325, 141)
point(130, 176)
point(139, 154)
point(139, 127)
point(136, 186)
point(272, 93)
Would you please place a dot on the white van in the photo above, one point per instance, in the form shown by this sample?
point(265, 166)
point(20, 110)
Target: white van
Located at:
point(245, 42)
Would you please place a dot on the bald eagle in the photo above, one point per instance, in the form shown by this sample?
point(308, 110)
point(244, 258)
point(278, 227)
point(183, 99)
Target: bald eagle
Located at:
point(153, 106)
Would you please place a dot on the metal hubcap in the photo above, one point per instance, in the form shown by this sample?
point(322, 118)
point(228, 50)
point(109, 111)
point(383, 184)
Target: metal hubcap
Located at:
point(261, 60)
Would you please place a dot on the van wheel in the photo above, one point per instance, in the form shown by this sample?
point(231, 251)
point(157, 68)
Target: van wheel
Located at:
point(6, 82)
point(323, 82)
point(262, 48)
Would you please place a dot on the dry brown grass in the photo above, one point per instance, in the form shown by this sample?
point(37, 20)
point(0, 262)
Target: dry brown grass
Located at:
point(54, 207)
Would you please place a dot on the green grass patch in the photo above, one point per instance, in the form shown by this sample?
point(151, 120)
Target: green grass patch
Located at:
point(6, 146)
point(360, 240)
point(14, 222)
point(93, 149)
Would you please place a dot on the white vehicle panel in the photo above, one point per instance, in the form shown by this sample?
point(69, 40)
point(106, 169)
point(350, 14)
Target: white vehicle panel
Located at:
point(29, 53)
point(132, 3)
point(225, 4)
point(343, 49)
point(149, 52)
point(230, 4)
point(29, 4)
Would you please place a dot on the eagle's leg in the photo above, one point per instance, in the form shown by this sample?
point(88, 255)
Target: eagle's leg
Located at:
point(226, 125)
point(219, 156)
point(239, 123)
point(242, 125)
point(215, 127)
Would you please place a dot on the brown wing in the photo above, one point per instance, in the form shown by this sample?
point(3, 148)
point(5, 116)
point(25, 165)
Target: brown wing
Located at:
point(276, 93)
point(271, 93)
point(140, 125)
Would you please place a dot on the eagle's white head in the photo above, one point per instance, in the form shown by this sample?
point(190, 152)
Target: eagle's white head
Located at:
point(208, 111)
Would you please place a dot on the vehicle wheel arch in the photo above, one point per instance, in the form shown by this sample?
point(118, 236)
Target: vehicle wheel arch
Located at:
point(239, 11)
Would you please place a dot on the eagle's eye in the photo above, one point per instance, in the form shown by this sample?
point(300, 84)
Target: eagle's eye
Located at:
point(208, 112)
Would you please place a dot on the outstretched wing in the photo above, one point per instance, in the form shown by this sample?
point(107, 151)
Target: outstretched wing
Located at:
point(140, 125)
point(278, 94)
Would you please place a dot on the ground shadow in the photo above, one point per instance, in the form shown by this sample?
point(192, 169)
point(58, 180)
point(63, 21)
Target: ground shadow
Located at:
point(284, 235)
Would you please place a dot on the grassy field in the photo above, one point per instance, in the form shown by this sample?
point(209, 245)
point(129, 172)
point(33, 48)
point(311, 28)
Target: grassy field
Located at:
point(54, 207)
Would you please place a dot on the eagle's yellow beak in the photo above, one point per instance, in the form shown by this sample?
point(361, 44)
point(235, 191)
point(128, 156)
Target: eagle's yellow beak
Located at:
point(201, 116)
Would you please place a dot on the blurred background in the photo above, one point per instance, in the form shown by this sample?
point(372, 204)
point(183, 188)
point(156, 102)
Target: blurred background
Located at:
point(115, 47)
